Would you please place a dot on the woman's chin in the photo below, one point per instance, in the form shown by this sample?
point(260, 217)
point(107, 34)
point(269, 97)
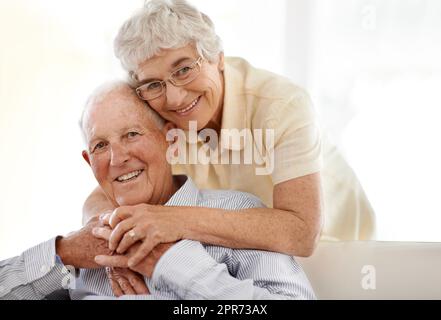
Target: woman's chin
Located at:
point(188, 125)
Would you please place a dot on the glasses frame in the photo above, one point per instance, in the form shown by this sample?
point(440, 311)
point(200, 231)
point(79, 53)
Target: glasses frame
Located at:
point(197, 63)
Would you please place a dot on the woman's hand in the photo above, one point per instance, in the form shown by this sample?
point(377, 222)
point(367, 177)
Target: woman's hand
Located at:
point(145, 267)
point(150, 225)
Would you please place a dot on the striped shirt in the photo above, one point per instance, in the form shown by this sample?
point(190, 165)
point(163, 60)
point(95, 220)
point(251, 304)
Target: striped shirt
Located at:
point(189, 270)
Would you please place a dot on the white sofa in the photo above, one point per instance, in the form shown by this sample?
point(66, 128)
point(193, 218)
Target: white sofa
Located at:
point(375, 270)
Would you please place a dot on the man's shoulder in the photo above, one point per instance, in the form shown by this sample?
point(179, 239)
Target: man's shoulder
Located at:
point(228, 199)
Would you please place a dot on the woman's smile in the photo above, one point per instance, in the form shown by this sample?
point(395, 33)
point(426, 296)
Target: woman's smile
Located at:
point(189, 110)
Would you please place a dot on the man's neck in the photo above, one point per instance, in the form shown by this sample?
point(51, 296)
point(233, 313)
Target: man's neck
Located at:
point(176, 183)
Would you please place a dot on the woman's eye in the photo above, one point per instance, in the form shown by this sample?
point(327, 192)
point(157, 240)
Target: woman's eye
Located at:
point(154, 86)
point(183, 71)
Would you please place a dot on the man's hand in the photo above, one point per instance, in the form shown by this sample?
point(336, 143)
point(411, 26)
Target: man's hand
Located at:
point(79, 248)
point(145, 267)
point(126, 282)
point(151, 225)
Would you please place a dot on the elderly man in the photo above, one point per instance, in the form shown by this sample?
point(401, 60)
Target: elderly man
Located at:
point(126, 149)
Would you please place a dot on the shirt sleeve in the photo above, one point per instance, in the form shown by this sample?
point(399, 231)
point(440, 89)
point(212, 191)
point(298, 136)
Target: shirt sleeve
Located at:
point(152, 296)
point(33, 275)
point(279, 275)
point(297, 138)
point(193, 274)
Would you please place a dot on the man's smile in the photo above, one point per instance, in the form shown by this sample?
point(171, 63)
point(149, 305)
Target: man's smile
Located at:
point(130, 176)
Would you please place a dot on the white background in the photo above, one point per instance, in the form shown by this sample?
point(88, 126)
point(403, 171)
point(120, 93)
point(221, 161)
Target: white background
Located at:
point(373, 69)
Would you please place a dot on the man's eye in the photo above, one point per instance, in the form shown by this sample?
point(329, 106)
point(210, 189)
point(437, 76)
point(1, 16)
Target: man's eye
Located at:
point(99, 146)
point(132, 134)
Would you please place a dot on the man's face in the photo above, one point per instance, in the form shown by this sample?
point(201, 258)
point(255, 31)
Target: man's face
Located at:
point(201, 100)
point(126, 151)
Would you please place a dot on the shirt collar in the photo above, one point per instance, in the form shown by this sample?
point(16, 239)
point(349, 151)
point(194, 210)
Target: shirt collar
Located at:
point(186, 196)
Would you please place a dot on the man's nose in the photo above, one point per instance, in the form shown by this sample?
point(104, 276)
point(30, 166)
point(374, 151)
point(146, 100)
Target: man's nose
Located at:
point(175, 96)
point(119, 155)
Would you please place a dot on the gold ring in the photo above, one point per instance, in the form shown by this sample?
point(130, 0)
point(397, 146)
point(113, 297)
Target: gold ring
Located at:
point(132, 234)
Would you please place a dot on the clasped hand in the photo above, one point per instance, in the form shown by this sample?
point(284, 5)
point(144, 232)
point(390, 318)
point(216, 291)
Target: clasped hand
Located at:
point(138, 236)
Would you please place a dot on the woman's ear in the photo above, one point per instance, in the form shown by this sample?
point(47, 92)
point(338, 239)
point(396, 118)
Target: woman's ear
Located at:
point(221, 63)
point(86, 157)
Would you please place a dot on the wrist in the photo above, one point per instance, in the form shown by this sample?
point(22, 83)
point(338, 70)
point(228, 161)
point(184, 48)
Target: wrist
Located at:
point(186, 221)
point(62, 249)
point(197, 223)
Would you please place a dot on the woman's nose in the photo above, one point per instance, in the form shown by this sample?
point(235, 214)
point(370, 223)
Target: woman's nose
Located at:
point(175, 96)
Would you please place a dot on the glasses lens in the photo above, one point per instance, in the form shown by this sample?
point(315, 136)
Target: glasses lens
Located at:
point(181, 77)
point(186, 74)
point(150, 90)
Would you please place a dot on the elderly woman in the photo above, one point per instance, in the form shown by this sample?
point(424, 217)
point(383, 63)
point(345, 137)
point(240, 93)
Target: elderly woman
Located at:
point(176, 64)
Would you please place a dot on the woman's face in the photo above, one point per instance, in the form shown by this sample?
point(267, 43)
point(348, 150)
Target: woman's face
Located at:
point(201, 100)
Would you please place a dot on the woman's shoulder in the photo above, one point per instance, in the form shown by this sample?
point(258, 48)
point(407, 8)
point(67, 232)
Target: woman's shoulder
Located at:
point(269, 99)
point(264, 84)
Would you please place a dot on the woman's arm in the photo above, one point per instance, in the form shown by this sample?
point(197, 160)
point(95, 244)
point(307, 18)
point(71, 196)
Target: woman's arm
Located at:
point(292, 227)
point(96, 204)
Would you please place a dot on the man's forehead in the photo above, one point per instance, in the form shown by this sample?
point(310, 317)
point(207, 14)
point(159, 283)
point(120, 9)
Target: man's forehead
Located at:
point(114, 113)
point(118, 101)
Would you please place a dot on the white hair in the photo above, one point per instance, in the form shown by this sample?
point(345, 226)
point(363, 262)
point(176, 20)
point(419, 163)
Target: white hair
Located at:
point(165, 24)
point(100, 93)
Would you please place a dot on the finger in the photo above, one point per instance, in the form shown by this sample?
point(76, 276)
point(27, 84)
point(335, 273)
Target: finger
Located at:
point(125, 285)
point(119, 231)
point(137, 282)
point(116, 289)
point(105, 218)
point(129, 239)
point(112, 261)
point(102, 233)
point(119, 215)
point(142, 252)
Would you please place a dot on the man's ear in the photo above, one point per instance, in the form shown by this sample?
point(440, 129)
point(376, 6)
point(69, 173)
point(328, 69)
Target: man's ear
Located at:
point(86, 157)
point(221, 64)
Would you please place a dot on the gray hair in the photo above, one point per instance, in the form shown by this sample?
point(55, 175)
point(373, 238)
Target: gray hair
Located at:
point(165, 24)
point(100, 93)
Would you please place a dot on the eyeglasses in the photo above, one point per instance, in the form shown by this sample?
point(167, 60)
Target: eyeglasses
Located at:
point(181, 77)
